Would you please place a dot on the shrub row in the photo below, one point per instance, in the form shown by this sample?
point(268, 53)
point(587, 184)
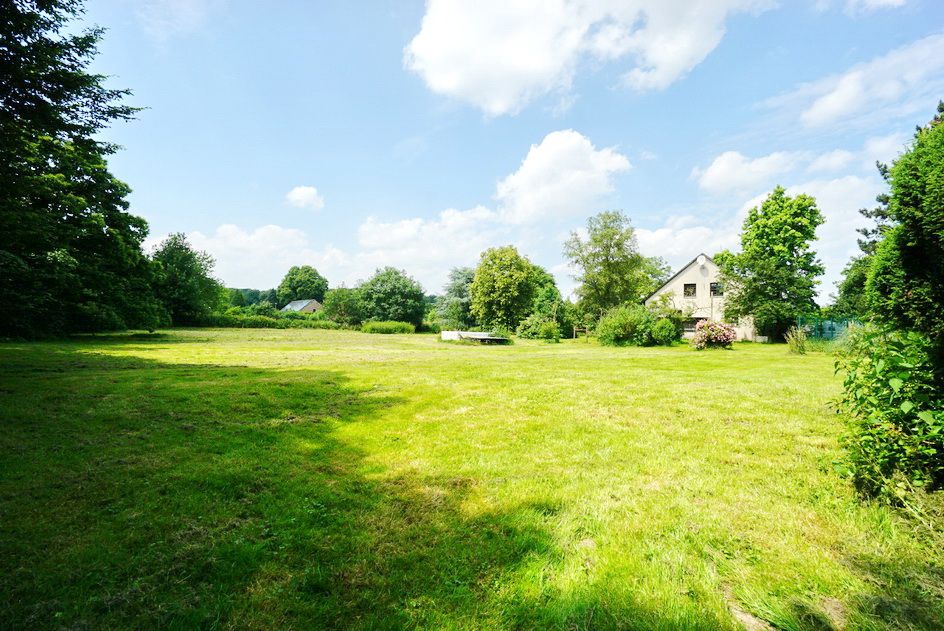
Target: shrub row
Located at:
point(388, 327)
point(228, 320)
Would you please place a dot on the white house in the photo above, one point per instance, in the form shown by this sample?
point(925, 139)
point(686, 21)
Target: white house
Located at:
point(696, 291)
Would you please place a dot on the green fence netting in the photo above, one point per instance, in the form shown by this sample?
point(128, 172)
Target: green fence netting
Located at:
point(821, 329)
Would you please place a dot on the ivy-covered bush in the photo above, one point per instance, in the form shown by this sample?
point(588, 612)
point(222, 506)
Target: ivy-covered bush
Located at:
point(387, 327)
point(895, 411)
point(664, 332)
point(713, 334)
point(626, 325)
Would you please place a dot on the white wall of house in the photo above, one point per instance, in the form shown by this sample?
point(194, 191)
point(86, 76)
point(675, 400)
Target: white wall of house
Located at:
point(695, 290)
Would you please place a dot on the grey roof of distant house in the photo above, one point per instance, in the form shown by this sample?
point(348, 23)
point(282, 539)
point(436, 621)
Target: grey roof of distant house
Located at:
point(298, 305)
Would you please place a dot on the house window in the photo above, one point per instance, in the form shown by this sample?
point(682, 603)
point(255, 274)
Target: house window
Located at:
point(716, 289)
point(688, 290)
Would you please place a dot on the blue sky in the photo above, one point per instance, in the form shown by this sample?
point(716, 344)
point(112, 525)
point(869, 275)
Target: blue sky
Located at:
point(350, 136)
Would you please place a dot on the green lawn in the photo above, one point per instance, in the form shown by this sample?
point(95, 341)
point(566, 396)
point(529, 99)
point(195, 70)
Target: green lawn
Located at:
point(323, 479)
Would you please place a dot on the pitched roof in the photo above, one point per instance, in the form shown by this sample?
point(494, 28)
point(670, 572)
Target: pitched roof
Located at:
point(298, 305)
point(681, 269)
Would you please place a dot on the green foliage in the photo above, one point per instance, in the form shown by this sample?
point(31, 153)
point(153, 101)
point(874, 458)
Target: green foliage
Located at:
point(503, 288)
point(235, 319)
point(895, 410)
point(454, 307)
point(905, 285)
point(797, 340)
point(392, 295)
point(70, 253)
point(851, 302)
point(301, 283)
point(626, 325)
point(248, 297)
point(611, 269)
point(387, 327)
point(264, 308)
point(184, 282)
point(344, 305)
point(539, 327)
point(773, 277)
point(235, 297)
point(663, 309)
point(665, 333)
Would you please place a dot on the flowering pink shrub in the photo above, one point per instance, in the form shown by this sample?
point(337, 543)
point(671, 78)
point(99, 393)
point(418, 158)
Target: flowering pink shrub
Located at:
point(712, 334)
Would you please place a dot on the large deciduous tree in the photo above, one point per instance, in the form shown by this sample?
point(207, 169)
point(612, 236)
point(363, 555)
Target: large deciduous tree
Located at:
point(611, 270)
point(774, 276)
point(70, 254)
point(184, 281)
point(503, 288)
point(301, 283)
point(344, 305)
point(392, 295)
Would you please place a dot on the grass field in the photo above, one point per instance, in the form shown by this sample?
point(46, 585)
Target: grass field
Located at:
point(325, 479)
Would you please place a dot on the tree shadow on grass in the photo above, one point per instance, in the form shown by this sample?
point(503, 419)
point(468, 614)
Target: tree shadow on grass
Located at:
point(906, 594)
point(141, 494)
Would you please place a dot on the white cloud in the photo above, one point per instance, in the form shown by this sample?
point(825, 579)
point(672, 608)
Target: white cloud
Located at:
point(564, 175)
point(259, 258)
point(684, 236)
point(858, 7)
point(305, 197)
point(902, 83)
point(500, 55)
point(883, 149)
point(429, 248)
point(831, 160)
point(163, 19)
point(854, 7)
point(839, 200)
point(732, 171)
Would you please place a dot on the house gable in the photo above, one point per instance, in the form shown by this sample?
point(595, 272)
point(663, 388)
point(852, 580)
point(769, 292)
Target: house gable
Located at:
point(690, 289)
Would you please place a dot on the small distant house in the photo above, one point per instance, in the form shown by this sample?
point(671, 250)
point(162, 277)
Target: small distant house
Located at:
point(696, 291)
point(302, 306)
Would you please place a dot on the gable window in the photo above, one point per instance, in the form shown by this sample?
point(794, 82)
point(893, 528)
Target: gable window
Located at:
point(688, 290)
point(716, 289)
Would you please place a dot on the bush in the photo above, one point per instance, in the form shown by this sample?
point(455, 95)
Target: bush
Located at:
point(894, 409)
point(626, 325)
point(429, 326)
point(538, 327)
point(243, 321)
point(713, 334)
point(796, 339)
point(664, 309)
point(344, 305)
point(664, 332)
point(387, 327)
